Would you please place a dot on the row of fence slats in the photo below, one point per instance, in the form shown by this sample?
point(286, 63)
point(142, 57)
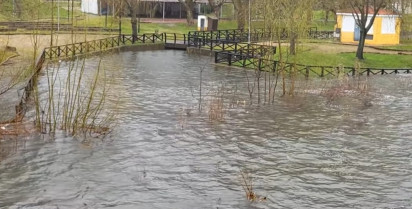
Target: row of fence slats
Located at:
point(243, 60)
point(70, 50)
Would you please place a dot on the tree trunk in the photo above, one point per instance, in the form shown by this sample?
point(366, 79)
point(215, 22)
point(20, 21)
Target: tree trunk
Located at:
point(134, 22)
point(292, 46)
point(361, 45)
point(241, 11)
point(326, 16)
point(189, 17)
point(188, 4)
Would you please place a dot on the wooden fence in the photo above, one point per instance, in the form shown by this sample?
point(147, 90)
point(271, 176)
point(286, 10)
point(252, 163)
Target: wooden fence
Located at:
point(70, 50)
point(259, 63)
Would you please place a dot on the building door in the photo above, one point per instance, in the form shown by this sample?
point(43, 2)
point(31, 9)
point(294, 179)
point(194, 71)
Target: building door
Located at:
point(357, 33)
point(202, 24)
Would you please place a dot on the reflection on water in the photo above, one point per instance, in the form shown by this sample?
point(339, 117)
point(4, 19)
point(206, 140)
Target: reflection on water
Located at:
point(165, 153)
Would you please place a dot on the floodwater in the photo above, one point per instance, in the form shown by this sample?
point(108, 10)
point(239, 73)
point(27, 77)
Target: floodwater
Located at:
point(302, 152)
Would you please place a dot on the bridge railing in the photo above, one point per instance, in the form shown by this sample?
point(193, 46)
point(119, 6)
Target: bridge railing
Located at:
point(262, 63)
point(175, 38)
point(70, 50)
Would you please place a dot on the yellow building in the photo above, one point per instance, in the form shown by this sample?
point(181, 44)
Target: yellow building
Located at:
point(386, 28)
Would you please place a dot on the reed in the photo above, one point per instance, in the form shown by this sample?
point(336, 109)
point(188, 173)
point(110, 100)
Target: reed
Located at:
point(247, 185)
point(216, 110)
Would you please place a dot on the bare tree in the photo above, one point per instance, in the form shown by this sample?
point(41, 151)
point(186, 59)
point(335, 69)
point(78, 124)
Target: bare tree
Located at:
point(364, 12)
point(328, 6)
point(216, 6)
point(133, 6)
point(189, 6)
point(241, 10)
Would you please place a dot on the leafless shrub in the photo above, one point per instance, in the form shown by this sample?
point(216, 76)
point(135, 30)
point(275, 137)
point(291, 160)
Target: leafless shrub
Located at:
point(247, 185)
point(75, 102)
point(216, 106)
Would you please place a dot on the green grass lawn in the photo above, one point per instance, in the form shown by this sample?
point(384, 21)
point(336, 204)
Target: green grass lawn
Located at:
point(182, 28)
point(371, 60)
point(319, 21)
point(403, 47)
point(32, 10)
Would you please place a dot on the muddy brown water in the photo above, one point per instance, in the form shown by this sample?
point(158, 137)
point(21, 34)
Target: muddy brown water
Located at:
point(302, 153)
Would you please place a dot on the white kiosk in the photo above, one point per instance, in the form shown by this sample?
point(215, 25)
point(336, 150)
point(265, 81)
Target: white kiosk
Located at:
point(202, 23)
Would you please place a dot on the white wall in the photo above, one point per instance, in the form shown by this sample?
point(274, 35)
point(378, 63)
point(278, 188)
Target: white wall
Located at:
point(389, 25)
point(348, 24)
point(90, 6)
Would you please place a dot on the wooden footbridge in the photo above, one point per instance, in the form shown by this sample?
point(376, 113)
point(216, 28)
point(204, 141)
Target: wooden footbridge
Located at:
point(230, 47)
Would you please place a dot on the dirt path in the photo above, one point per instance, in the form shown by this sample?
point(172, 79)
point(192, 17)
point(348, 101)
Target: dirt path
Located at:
point(336, 48)
point(343, 48)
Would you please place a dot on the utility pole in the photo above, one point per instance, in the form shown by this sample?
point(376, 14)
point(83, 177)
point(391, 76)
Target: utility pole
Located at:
point(164, 4)
point(14, 7)
point(248, 37)
point(68, 10)
point(52, 24)
point(120, 17)
point(107, 11)
point(58, 15)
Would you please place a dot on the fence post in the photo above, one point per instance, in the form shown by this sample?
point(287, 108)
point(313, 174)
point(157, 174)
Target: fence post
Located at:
point(230, 58)
point(58, 51)
point(153, 37)
point(244, 60)
point(174, 37)
point(260, 64)
point(275, 65)
point(123, 40)
point(216, 54)
point(353, 71)
point(144, 38)
point(322, 71)
point(307, 72)
point(165, 37)
point(368, 71)
point(184, 39)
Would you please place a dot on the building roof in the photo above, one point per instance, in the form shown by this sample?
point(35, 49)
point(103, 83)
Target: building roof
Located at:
point(370, 11)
